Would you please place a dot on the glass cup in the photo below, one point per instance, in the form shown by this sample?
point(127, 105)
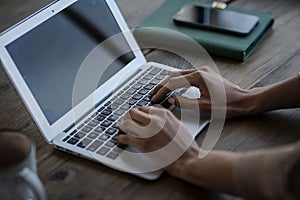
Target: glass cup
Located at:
point(18, 171)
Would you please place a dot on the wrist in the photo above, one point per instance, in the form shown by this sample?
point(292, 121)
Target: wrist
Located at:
point(254, 101)
point(215, 171)
point(258, 98)
point(179, 168)
point(242, 102)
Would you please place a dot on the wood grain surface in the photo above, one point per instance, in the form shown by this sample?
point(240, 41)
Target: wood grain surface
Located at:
point(70, 177)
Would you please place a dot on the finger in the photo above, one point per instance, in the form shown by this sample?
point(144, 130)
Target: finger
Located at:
point(174, 74)
point(175, 83)
point(145, 109)
point(139, 116)
point(128, 140)
point(197, 105)
point(186, 103)
point(172, 84)
point(131, 127)
point(152, 110)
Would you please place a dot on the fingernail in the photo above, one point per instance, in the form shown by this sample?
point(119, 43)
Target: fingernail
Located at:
point(153, 98)
point(119, 139)
point(171, 101)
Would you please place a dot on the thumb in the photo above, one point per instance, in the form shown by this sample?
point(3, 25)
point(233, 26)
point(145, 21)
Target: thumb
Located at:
point(186, 103)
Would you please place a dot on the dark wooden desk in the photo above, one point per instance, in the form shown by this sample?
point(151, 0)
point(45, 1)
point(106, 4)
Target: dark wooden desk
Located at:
point(70, 177)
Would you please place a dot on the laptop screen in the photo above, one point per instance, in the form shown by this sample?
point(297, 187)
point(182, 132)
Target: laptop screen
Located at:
point(50, 55)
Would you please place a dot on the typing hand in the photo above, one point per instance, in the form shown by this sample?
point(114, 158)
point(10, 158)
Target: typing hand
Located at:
point(203, 78)
point(150, 129)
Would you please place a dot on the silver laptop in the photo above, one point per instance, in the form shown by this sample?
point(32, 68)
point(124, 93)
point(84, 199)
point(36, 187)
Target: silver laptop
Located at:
point(78, 69)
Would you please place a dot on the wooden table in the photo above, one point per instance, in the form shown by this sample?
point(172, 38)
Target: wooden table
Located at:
point(70, 177)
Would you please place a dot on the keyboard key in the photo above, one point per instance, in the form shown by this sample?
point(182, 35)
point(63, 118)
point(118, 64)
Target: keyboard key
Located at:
point(80, 135)
point(66, 138)
point(143, 81)
point(131, 91)
point(86, 129)
point(106, 112)
point(120, 93)
point(106, 123)
point(118, 101)
point(148, 77)
point(166, 72)
point(112, 155)
point(111, 131)
point(119, 112)
point(125, 107)
point(126, 88)
point(115, 137)
point(104, 137)
point(149, 68)
point(142, 103)
point(122, 146)
point(144, 73)
point(103, 151)
point(149, 87)
point(113, 98)
point(118, 150)
point(100, 118)
point(93, 123)
point(160, 77)
point(111, 143)
point(147, 98)
point(73, 141)
point(132, 102)
point(113, 118)
point(138, 78)
point(115, 125)
point(73, 132)
point(154, 71)
point(87, 121)
point(80, 126)
point(143, 92)
point(95, 145)
point(107, 103)
point(125, 96)
point(137, 86)
point(154, 82)
point(137, 97)
point(93, 135)
point(84, 143)
point(113, 106)
point(99, 129)
point(100, 109)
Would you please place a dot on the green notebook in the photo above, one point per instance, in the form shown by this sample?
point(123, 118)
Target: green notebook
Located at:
point(216, 43)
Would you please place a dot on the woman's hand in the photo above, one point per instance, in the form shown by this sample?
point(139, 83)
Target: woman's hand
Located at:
point(154, 128)
point(238, 102)
point(150, 129)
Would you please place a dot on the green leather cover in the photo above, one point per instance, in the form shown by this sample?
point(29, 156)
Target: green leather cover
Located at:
point(216, 43)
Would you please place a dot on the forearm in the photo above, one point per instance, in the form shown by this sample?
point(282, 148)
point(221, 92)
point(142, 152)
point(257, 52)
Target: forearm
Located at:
point(269, 174)
point(263, 174)
point(285, 94)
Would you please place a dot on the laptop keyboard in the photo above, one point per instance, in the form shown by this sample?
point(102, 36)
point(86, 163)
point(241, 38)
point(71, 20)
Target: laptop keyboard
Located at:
point(99, 132)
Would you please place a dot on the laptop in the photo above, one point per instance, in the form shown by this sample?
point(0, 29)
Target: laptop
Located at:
point(78, 69)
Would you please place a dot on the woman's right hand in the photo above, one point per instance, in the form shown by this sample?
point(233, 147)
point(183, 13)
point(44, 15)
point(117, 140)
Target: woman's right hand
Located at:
point(238, 100)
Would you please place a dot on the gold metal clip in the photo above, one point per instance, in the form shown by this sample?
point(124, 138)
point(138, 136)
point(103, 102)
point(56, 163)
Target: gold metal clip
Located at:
point(219, 5)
